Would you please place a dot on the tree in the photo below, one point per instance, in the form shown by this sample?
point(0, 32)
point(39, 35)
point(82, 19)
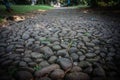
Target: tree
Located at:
point(7, 5)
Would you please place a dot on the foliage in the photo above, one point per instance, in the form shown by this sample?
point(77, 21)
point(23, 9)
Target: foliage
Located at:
point(105, 4)
point(37, 67)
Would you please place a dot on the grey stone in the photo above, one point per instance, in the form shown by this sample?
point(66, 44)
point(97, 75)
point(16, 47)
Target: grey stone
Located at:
point(85, 39)
point(3, 44)
point(46, 70)
point(19, 50)
point(80, 53)
point(99, 71)
point(19, 46)
point(53, 39)
point(65, 63)
point(36, 55)
point(76, 69)
point(81, 58)
point(64, 46)
point(57, 74)
point(92, 60)
point(90, 44)
point(25, 36)
point(32, 64)
point(77, 76)
point(52, 59)
point(44, 64)
point(29, 69)
point(6, 63)
point(102, 55)
point(84, 64)
point(88, 70)
point(23, 64)
point(23, 75)
point(47, 51)
point(90, 55)
point(13, 56)
point(28, 44)
point(10, 48)
point(27, 59)
point(38, 60)
point(31, 40)
point(73, 50)
point(74, 56)
point(62, 52)
point(45, 78)
point(56, 47)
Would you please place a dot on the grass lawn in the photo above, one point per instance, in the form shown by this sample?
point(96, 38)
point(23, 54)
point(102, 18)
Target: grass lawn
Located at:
point(21, 9)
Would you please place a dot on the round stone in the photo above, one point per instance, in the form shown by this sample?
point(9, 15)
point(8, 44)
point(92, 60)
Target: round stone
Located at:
point(27, 59)
point(84, 64)
point(25, 36)
point(47, 51)
point(44, 64)
point(62, 52)
point(81, 58)
point(74, 57)
point(56, 47)
point(90, 55)
point(36, 55)
point(65, 63)
point(57, 74)
point(52, 59)
point(73, 50)
point(32, 64)
point(23, 75)
point(77, 76)
point(23, 64)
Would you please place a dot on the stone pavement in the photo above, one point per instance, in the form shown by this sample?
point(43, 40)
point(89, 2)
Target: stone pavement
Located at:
point(62, 44)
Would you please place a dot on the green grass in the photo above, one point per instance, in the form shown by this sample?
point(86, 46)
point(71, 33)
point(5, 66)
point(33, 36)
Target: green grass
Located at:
point(26, 8)
point(21, 9)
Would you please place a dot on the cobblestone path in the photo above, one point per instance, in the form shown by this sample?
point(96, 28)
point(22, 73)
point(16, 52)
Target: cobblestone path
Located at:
point(62, 44)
